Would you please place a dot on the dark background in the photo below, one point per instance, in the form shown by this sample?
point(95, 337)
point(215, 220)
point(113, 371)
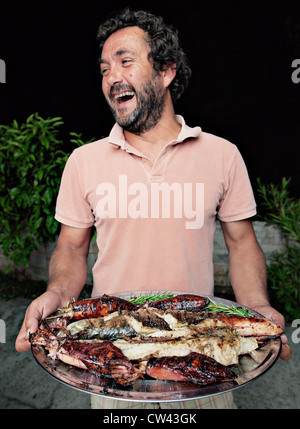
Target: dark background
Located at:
point(240, 53)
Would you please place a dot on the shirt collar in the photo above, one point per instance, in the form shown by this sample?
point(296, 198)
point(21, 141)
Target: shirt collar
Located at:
point(117, 138)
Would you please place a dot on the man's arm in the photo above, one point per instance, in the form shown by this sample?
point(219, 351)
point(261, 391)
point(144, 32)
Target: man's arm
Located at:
point(67, 275)
point(68, 265)
point(247, 266)
point(248, 274)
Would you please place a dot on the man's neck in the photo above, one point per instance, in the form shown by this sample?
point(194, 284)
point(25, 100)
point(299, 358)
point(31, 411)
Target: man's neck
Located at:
point(154, 140)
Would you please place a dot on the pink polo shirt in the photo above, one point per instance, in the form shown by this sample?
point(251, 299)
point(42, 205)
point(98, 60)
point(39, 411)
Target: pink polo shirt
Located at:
point(155, 222)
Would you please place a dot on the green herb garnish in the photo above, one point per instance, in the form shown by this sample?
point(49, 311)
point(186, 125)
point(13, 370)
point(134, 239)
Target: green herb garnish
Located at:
point(230, 310)
point(212, 306)
point(142, 298)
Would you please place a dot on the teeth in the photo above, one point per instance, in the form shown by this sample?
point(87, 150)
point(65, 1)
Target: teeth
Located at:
point(124, 94)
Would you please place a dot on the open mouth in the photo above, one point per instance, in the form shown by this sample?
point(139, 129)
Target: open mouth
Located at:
point(124, 97)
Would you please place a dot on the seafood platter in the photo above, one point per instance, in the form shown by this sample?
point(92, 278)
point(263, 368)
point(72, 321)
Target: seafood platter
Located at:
point(156, 347)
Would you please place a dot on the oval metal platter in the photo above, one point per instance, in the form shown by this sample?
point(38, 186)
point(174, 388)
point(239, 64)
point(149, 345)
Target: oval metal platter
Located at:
point(147, 390)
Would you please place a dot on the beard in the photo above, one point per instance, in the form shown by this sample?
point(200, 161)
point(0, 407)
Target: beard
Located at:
point(150, 101)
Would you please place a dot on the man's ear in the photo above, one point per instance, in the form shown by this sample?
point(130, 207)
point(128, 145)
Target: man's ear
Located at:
point(168, 73)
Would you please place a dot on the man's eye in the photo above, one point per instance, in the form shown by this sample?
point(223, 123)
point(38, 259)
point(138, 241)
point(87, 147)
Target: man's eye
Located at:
point(126, 61)
point(104, 72)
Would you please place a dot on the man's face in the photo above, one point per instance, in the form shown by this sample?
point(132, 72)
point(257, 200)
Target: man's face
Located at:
point(133, 89)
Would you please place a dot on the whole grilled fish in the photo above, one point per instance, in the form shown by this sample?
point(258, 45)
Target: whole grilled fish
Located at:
point(106, 328)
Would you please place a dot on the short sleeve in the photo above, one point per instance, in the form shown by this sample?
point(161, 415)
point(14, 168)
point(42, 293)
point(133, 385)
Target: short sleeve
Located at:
point(72, 208)
point(238, 200)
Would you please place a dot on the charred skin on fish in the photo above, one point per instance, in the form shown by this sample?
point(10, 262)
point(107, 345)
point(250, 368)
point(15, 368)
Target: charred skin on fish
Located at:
point(101, 328)
point(94, 307)
point(102, 359)
point(194, 367)
point(98, 358)
point(244, 326)
point(44, 336)
point(180, 302)
point(150, 331)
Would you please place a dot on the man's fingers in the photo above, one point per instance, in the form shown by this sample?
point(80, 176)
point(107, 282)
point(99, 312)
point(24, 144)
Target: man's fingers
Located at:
point(30, 324)
point(22, 344)
point(40, 308)
point(286, 351)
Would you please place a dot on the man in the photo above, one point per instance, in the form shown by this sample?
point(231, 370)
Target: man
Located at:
point(153, 188)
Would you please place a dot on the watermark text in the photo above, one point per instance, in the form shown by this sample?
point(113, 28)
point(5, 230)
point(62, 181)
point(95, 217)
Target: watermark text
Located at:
point(2, 71)
point(2, 331)
point(158, 200)
point(296, 332)
point(296, 72)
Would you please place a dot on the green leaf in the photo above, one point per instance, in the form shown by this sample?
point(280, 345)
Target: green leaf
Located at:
point(32, 159)
point(283, 211)
point(47, 197)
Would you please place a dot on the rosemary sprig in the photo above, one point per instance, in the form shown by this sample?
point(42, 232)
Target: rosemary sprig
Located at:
point(227, 309)
point(141, 299)
point(212, 306)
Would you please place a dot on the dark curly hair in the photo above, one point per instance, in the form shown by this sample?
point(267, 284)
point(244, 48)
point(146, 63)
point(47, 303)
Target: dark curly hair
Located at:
point(164, 44)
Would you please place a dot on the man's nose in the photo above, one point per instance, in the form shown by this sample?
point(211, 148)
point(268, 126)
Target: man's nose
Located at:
point(115, 76)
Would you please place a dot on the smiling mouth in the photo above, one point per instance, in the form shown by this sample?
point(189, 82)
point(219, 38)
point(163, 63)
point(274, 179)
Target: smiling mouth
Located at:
point(124, 97)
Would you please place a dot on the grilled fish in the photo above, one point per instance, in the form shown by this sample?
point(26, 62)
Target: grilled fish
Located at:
point(106, 328)
point(105, 334)
point(94, 307)
point(153, 321)
point(144, 321)
point(104, 305)
point(101, 358)
point(244, 326)
point(225, 348)
point(180, 302)
point(44, 336)
point(194, 367)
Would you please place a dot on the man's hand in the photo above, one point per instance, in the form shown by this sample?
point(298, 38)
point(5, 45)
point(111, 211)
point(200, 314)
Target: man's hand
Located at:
point(67, 274)
point(276, 317)
point(248, 274)
point(37, 310)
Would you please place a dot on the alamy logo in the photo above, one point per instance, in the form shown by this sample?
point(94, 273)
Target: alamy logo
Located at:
point(2, 71)
point(296, 332)
point(158, 200)
point(296, 73)
point(2, 331)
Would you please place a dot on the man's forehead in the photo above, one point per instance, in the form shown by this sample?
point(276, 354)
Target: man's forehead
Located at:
point(126, 40)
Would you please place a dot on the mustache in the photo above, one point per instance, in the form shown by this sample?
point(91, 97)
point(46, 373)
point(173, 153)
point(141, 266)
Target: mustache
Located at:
point(120, 87)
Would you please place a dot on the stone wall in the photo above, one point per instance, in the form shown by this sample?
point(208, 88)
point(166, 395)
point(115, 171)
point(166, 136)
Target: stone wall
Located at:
point(269, 238)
